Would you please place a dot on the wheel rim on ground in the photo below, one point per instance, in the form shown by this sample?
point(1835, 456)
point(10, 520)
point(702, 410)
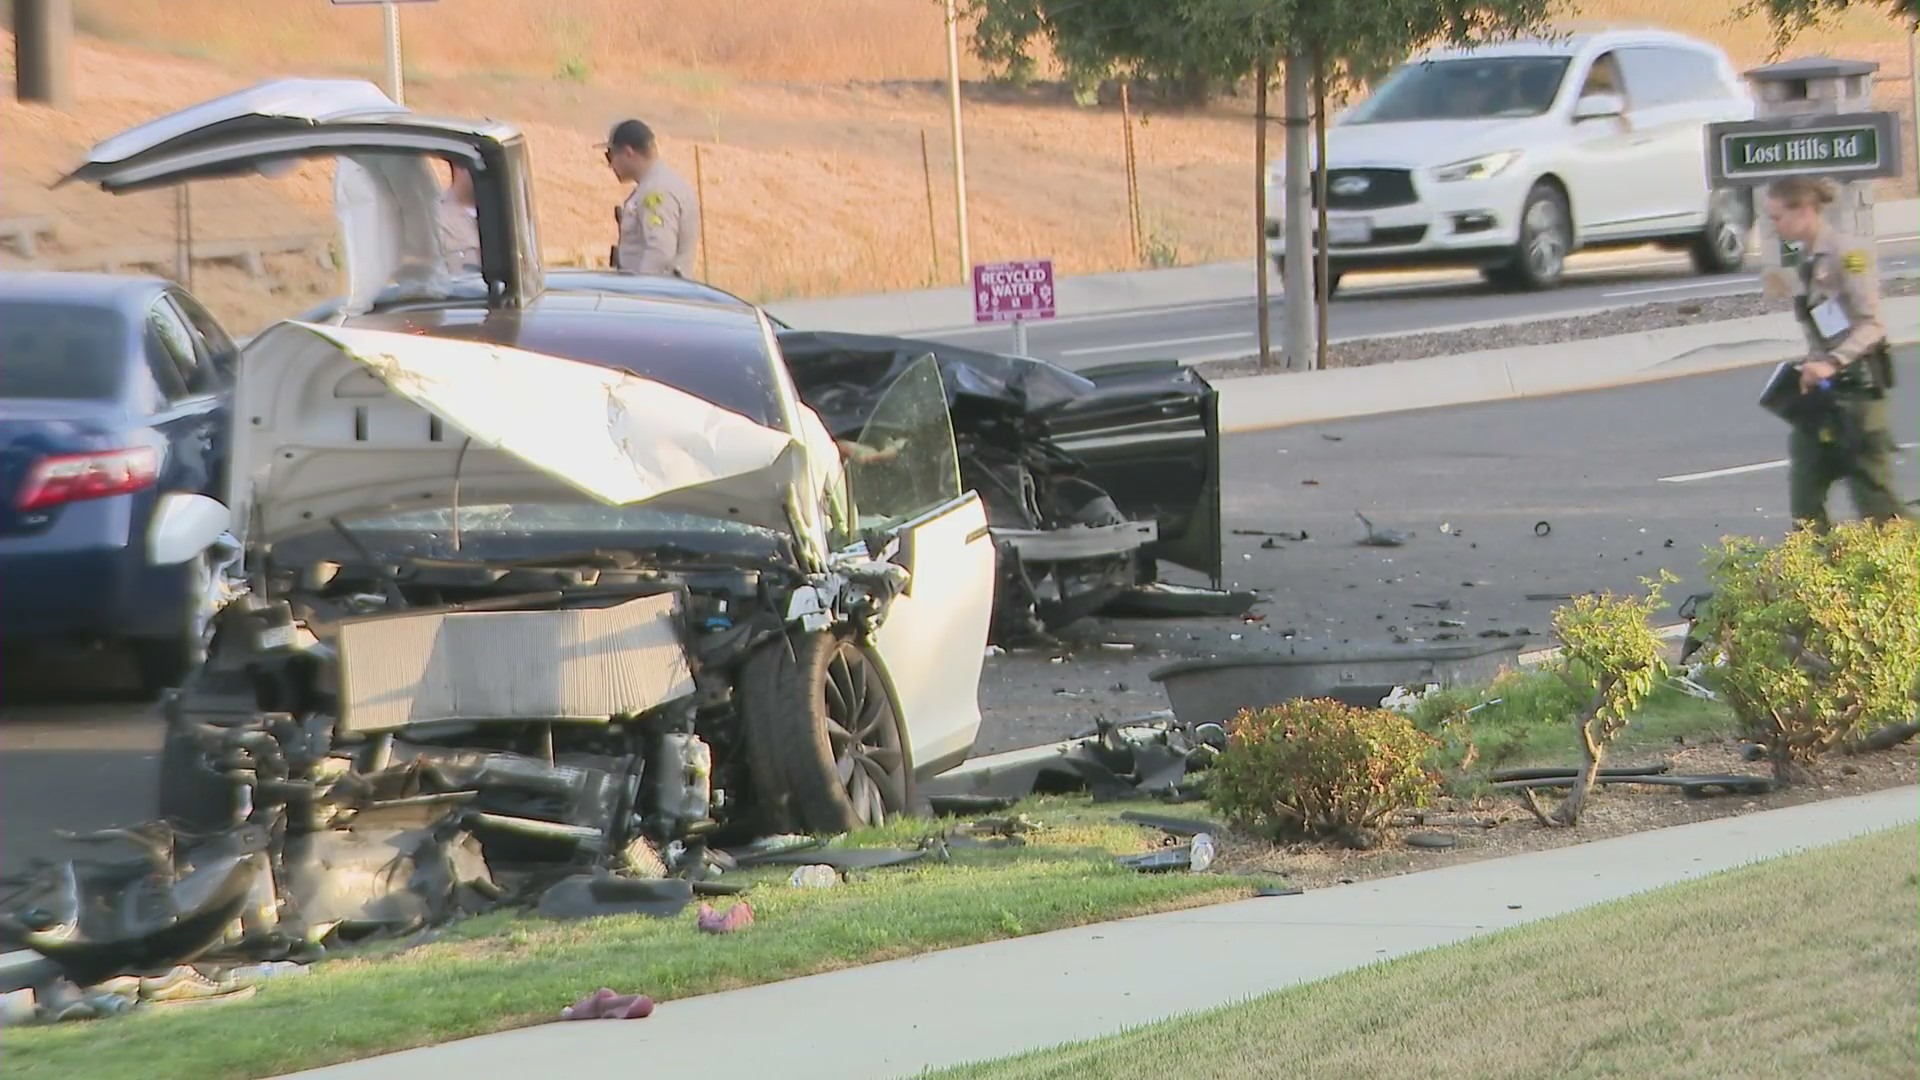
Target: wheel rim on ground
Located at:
point(1546, 251)
point(865, 736)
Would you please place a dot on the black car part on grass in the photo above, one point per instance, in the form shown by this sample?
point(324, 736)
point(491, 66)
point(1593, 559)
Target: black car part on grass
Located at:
point(1070, 465)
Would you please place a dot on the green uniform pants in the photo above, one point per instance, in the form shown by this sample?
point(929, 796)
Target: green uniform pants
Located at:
point(1819, 457)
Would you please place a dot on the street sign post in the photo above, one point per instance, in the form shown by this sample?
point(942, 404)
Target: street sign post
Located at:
point(390, 17)
point(1850, 146)
point(1014, 292)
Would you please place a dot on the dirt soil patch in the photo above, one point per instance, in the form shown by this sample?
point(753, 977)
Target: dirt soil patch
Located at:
point(1493, 826)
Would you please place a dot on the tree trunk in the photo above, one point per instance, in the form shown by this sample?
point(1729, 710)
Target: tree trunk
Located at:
point(1263, 311)
point(1298, 285)
point(1576, 800)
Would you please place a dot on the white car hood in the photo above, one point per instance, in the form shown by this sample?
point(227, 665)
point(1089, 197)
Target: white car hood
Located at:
point(1423, 144)
point(333, 420)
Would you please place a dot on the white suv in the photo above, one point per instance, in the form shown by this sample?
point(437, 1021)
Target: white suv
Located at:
point(1507, 158)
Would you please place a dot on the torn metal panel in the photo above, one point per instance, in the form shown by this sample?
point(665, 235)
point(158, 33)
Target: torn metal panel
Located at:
point(584, 663)
point(586, 896)
point(378, 878)
point(1062, 545)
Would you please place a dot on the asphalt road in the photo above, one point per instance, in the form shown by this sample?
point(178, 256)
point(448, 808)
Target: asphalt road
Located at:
point(1631, 481)
point(1375, 304)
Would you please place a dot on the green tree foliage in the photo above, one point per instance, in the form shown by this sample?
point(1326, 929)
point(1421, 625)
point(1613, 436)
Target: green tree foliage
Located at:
point(1193, 45)
point(1790, 17)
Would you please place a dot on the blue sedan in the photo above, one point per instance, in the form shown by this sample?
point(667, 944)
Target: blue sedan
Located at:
point(114, 391)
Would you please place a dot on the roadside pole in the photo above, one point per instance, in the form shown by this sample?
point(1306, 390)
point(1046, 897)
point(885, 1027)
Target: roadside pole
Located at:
point(1913, 88)
point(1298, 284)
point(933, 225)
point(390, 27)
point(1262, 263)
point(1019, 336)
point(43, 52)
point(390, 17)
point(700, 194)
point(959, 146)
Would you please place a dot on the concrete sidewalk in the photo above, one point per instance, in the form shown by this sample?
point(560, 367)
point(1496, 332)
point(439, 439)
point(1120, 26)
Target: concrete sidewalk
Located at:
point(988, 1001)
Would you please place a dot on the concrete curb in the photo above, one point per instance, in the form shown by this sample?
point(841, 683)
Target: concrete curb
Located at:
point(1257, 402)
point(1080, 295)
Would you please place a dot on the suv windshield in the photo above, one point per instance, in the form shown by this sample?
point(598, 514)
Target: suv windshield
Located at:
point(528, 532)
point(1470, 88)
point(63, 351)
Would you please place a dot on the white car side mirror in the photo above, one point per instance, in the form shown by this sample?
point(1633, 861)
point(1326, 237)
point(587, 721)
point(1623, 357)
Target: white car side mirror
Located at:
point(183, 526)
point(1599, 106)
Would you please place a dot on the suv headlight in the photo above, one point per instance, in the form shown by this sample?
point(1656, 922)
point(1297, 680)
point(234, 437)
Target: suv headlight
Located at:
point(1483, 167)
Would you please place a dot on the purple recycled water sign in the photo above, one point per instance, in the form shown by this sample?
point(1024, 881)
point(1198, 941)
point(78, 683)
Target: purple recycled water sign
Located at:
point(1013, 291)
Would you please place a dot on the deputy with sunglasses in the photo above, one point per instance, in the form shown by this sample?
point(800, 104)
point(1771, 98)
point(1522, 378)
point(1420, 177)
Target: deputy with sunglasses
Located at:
point(660, 218)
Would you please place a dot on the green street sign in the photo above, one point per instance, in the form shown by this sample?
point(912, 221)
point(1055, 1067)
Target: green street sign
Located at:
point(1853, 146)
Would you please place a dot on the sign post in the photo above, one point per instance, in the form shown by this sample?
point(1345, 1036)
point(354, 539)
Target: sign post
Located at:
point(390, 21)
point(1014, 292)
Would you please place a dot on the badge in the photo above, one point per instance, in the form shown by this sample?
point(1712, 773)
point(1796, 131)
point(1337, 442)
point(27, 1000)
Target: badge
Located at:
point(1855, 261)
point(654, 221)
point(652, 200)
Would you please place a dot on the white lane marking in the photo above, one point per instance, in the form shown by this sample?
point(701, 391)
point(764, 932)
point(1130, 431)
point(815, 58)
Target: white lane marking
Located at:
point(1136, 346)
point(1762, 466)
point(1708, 283)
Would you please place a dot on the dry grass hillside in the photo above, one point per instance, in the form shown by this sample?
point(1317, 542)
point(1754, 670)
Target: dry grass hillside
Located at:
point(808, 116)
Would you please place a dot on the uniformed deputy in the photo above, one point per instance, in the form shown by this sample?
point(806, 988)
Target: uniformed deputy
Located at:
point(660, 218)
point(459, 222)
point(1838, 306)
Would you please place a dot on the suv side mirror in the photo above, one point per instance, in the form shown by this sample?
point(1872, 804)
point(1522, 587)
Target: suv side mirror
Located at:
point(1599, 106)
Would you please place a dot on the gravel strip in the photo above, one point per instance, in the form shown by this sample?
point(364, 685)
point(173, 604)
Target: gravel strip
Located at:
point(1615, 321)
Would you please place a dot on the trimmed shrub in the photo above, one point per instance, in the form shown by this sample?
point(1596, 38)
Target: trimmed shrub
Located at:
point(1609, 657)
point(1819, 634)
point(1319, 769)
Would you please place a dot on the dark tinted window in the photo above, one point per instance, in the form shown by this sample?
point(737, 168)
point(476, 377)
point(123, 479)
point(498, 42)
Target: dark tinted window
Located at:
point(1471, 88)
point(217, 351)
point(61, 351)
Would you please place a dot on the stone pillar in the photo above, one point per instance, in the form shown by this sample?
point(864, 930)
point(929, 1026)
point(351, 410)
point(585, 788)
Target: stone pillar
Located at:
point(1816, 86)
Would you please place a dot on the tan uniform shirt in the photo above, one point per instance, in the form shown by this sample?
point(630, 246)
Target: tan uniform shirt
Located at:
point(1842, 287)
point(659, 224)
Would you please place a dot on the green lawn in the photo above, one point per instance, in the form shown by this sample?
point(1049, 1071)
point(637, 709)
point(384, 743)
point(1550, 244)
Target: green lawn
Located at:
point(499, 972)
point(1799, 967)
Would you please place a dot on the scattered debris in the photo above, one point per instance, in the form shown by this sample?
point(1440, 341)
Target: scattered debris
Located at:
point(1437, 605)
point(1376, 537)
point(1164, 600)
point(1175, 826)
point(967, 805)
point(1692, 786)
point(605, 1004)
point(1193, 857)
point(586, 896)
point(1298, 536)
point(1333, 438)
point(1200, 854)
point(737, 917)
point(813, 877)
point(1431, 841)
point(1552, 772)
point(841, 860)
point(1277, 890)
point(1542, 528)
point(1309, 483)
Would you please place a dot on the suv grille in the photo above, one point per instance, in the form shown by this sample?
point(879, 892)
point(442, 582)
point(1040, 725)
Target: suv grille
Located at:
point(1378, 188)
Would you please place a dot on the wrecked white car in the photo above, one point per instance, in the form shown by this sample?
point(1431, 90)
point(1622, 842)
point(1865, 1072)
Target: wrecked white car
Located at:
point(547, 591)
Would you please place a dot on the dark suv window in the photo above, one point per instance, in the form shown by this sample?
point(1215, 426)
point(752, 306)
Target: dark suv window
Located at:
point(1469, 88)
point(50, 350)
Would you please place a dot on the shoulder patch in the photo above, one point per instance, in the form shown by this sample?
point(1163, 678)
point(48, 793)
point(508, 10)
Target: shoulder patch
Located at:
point(1855, 261)
point(654, 199)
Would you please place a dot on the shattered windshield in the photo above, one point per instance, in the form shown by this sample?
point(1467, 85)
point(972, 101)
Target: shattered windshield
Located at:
point(1471, 88)
point(522, 531)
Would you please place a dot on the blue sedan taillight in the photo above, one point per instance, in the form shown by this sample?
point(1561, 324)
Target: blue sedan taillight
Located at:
point(68, 478)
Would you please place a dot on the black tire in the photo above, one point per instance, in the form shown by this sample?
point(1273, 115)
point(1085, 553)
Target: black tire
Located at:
point(1546, 238)
point(191, 796)
point(1722, 247)
point(1499, 277)
point(1334, 276)
point(165, 663)
point(824, 740)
